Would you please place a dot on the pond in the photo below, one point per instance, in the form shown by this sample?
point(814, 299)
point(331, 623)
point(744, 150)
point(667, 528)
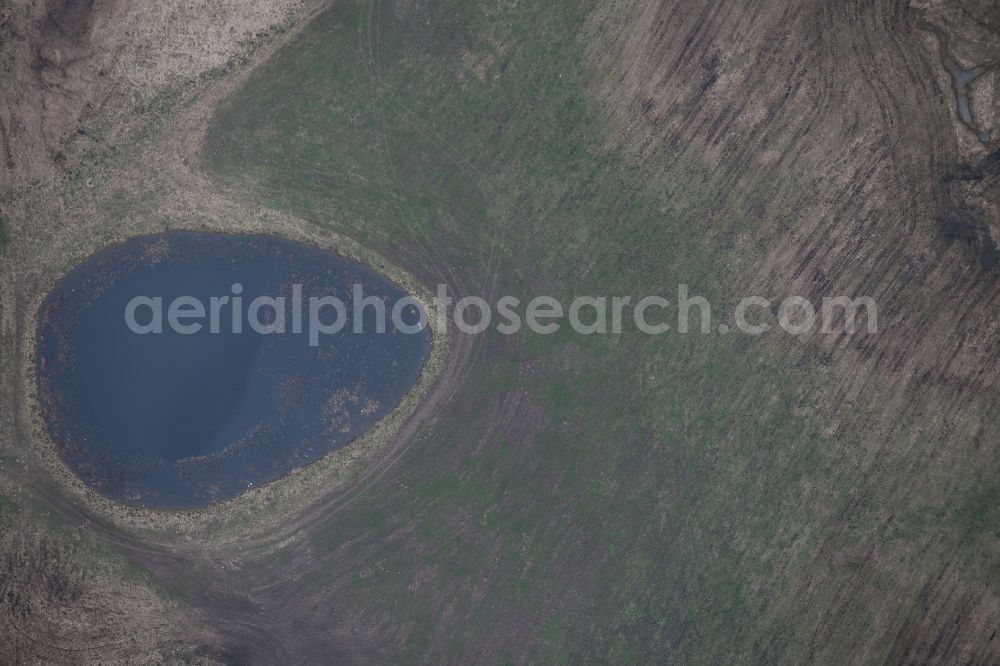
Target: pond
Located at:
point(182, 369)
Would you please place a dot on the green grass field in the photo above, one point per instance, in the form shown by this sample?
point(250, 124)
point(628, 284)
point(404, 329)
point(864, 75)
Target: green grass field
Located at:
point(622, 498)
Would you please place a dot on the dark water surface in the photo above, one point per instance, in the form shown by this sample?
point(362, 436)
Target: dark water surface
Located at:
point(961, 80)
point(172, 420)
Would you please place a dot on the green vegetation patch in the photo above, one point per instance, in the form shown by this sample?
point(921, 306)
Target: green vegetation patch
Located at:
point(667, 497)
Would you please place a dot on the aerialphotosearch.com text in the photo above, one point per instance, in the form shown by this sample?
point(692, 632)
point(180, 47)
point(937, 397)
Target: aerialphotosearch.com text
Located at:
point(357, 312)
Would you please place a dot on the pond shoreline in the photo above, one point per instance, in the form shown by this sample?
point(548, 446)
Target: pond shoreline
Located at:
point(187, 419)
